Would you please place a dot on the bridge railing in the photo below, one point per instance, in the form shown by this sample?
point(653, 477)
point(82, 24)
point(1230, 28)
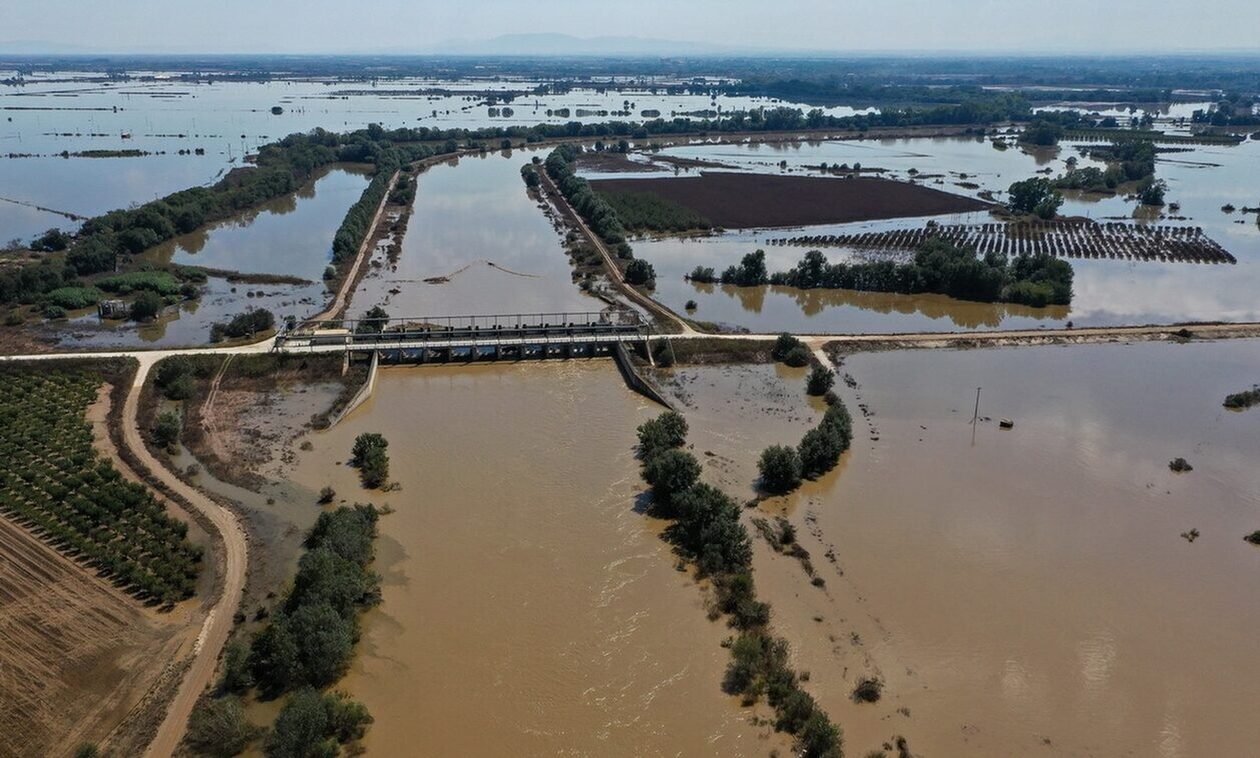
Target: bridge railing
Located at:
point(385, 332)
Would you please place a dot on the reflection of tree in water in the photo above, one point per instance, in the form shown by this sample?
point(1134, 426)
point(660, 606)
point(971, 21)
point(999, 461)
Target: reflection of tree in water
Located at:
point(964, 314)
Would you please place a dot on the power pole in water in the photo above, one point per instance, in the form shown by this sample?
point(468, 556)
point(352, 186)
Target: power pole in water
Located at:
point(975, 417)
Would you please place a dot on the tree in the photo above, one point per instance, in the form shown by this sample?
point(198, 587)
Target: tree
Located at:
point(166, 430)
point(1152, 192)
point(147, 305)
point(669, 473)
point(218, 727)
point(819, 738)
point(236, 675)
point(820, 381)
point(640, 272)
point(373, 322)
point(1035, 196)
point(364, 443)
point(780, 468)
point(302, 729)
point(784, 343)
point(668, 430)
point(797, 357)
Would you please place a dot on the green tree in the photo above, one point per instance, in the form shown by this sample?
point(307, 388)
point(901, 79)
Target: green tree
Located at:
point(147, 305)
point(640, 272)
point(668, 430)
point(786, 342)
point(236, 675)
point(780, 468)
point(820, 381)
point(166, 430)
point(302, 729)
point(669, 473)
point(1036, 196)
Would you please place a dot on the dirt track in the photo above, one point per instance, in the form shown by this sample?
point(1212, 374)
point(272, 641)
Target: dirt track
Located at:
point(740, 201)
point(218, 623)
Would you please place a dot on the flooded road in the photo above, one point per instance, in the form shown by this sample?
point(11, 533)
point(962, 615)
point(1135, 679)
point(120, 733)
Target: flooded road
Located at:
point(529, 608)
point(1031, 593)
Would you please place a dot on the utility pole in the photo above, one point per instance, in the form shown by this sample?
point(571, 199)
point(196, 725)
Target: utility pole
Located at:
point(975, 418)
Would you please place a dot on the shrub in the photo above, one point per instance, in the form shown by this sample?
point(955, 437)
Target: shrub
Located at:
point(247, 324)
point(640, 272)
point(780, 468)
point(147, 305)
point(327, 495)
point(166, 430)
point(868, 690)
point(218, 727)
point(797, 357)
point(820, 381)
point(74, 298)
point(1244, 399)
point(236, 676)
point(1180, 465)
point(784, 345)
point(370, 456)
point(1253, 538)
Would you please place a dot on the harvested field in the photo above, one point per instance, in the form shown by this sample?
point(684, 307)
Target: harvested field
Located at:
point(740, 201)
point(1062, 239)
point(78, 654)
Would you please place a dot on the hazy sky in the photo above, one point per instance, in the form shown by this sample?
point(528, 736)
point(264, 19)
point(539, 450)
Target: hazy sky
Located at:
point(836, 25)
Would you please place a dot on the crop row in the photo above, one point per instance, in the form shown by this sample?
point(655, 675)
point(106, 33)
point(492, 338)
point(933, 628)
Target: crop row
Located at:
point(53, 482)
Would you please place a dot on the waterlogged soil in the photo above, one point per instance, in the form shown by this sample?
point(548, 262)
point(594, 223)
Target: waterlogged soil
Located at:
point(529, 606)
point(1106, 293)
point(739, 201)
point(1032, 591)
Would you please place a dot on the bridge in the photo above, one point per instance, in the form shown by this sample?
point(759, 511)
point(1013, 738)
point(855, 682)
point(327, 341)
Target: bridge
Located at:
point(446, 339)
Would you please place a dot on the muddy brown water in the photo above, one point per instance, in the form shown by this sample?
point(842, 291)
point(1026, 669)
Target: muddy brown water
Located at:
point(529, 607)
point(1030, 593)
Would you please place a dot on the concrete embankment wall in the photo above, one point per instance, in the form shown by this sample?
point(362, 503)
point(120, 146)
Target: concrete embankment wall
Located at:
point(369, 385)
point(635, 380)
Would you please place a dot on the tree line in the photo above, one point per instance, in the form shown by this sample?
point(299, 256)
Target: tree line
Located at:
point(706, 530)
point(942, 268)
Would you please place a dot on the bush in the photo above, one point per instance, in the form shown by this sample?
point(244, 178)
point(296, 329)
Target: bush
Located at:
point(166, 430)
point(820, 381)
point(1244, 399)
point(147, 305)
point(53, 312)
point(868, 690)
point(236, 676)
point(74, 298)
point(312, 725)
point(784, 345)
point(1180, 465)
point(780, 468)
point(247, 324)
point(327, 495)
point(370, 457)
point(797, 357)
point(218, 727)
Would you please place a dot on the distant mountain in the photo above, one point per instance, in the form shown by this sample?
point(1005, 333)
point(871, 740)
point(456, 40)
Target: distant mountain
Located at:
point(538, 45)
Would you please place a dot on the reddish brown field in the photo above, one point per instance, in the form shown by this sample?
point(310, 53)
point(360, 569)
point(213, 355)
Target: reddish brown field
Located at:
point(737, 201)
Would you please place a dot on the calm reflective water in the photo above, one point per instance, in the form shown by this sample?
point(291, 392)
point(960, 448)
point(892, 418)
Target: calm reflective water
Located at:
point(1107, 292)
point(1028, 592)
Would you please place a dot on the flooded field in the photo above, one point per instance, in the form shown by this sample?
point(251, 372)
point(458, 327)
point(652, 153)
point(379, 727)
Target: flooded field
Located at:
point(291, 235)
point(475, 225)
point(1030, 592)
point(529, 606)
point(1108, 292)
point(227, 120)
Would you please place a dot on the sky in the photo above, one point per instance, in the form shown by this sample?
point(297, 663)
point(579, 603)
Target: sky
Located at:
point(839, 26)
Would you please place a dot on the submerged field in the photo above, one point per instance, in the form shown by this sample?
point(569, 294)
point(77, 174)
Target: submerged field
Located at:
point(741, 201)
point(1031, 591)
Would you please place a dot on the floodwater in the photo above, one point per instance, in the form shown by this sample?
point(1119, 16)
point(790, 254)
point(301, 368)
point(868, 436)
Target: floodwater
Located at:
point(227, 120)
point(529, 607)
point(1107, 292)
point(290, 235)
point(475, 224)
point(1029, 592)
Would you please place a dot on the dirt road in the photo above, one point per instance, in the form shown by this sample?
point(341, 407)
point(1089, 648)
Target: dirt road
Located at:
point(218, 623)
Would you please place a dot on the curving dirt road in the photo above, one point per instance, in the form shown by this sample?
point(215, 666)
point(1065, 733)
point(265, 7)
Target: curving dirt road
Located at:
point(218, 622)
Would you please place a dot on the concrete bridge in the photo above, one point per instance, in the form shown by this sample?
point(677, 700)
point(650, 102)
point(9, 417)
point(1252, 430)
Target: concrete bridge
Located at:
point(446, 339)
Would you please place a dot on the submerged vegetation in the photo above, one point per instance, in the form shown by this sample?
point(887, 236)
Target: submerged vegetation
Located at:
point(706, 530)
point(1243, 400)
point(371, 458)
point(649, 212)
point(53, 482)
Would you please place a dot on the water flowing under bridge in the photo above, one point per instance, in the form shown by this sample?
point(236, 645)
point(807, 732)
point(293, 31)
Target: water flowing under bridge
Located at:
point(442, 339)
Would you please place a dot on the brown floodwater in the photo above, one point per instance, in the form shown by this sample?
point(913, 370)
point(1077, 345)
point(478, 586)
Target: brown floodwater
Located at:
point(1030, 593)
point(529, 607)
